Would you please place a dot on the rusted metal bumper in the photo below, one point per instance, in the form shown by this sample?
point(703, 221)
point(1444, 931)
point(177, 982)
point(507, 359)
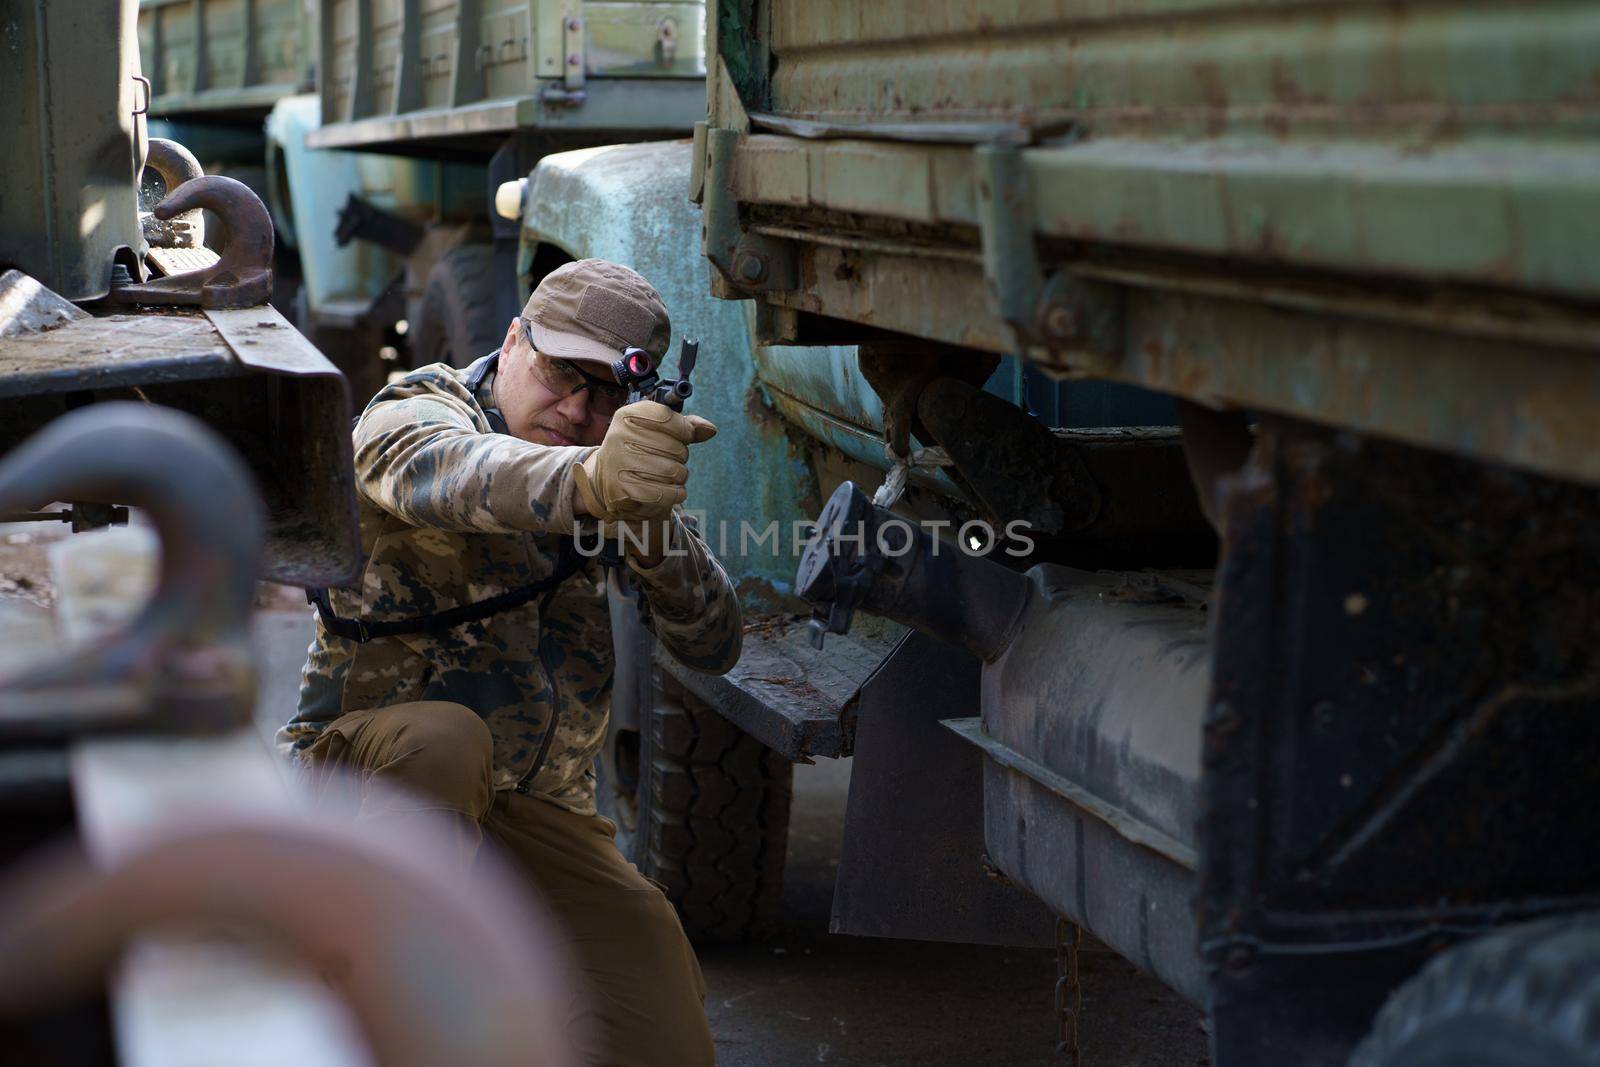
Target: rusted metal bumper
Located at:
point(247, 374)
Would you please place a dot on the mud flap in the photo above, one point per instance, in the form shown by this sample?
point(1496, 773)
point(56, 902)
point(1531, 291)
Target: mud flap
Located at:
point(913, 863)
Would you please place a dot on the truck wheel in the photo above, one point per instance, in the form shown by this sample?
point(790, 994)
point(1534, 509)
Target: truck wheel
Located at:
point(1525, 996)
point(702, 808)
point(457, 319)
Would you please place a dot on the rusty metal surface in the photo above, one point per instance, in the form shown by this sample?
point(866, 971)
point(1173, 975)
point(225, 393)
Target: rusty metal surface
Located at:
point(1286, 66)
point(1402, 773)
point(458, 75)
point(247, 373)
point(400, 60)
point(242, 276)
point(174, 164)
point(184, 663)
point(1470, 383)
point(1530, 406)
point(621, 110)
point(113, 350)
point(1281, 180)
point(1305, 206)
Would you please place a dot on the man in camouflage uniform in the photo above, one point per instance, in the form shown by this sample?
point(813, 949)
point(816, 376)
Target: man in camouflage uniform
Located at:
point(470, 484)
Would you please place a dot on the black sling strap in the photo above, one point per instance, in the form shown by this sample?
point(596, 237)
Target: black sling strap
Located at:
point(568, 562)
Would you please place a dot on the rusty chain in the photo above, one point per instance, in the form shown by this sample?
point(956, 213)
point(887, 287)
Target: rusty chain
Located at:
point(1069, 993)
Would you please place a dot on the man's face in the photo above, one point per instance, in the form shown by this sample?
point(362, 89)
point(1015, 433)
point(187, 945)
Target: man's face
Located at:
point(532, 410)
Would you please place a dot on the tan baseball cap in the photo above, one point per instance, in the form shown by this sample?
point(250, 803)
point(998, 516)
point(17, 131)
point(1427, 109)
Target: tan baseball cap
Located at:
point(593, 309)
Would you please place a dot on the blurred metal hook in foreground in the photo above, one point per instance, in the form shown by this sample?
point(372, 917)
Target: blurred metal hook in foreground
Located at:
point(184, 663)
point(182, 841)
point(439, 966)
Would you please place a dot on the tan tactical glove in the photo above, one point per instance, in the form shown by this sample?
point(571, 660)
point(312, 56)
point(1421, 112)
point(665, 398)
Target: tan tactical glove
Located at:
point(638, 471)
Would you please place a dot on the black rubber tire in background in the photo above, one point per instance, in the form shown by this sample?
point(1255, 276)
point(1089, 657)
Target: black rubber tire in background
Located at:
point(703, 809)
point(1523, 996)
point(457, 323)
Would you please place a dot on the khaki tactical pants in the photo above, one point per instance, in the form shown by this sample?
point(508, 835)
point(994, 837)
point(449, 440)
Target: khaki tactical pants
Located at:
point(646, 1003)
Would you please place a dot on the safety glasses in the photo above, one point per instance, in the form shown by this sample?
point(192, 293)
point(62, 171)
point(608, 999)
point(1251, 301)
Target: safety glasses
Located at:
point(565, 378)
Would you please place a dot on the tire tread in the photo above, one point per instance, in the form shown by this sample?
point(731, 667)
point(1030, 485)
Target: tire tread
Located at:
point(1539, 978)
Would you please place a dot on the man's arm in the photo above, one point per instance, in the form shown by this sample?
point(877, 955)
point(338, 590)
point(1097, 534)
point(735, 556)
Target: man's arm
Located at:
point(421, 456)
point(694, 611)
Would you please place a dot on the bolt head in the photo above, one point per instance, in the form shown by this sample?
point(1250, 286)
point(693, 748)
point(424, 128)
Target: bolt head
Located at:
point(1061, 321)
point(751, 267)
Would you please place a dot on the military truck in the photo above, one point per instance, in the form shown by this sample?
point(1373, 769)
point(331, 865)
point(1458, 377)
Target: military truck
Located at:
point(390, 246)
point(1316, 763)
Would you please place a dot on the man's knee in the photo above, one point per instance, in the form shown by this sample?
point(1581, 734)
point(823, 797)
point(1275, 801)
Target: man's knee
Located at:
point(436, 749)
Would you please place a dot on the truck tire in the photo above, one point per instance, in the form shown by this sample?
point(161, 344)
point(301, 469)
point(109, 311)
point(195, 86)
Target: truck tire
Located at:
point(702, 808)
point(457, 319)
point(1524, 996)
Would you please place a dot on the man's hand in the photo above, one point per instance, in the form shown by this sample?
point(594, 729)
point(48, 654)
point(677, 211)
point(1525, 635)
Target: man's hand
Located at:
point(639, 470)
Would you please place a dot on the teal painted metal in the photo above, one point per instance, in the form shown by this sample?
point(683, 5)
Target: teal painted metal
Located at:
point(820, 389)
point(625, 203)
point(307, 187)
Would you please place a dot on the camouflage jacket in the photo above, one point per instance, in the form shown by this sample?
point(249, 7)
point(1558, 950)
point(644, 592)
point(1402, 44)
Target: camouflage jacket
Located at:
point(453, 513)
